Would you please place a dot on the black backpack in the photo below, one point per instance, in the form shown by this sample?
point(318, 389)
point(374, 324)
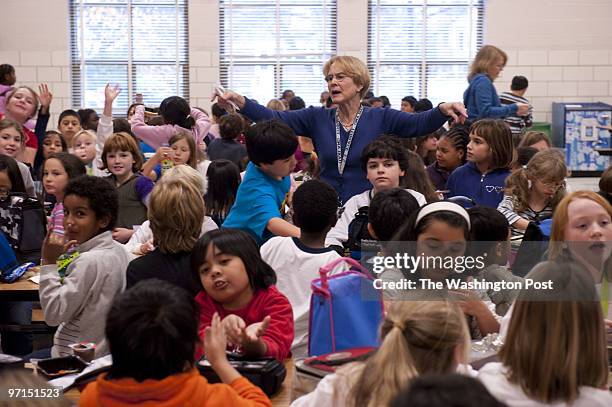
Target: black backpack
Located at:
point(24, 224)
point(358, 230)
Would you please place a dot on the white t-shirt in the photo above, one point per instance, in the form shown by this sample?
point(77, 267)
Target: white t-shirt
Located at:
point(338, 235)
point(296, 265)
point(493, 376)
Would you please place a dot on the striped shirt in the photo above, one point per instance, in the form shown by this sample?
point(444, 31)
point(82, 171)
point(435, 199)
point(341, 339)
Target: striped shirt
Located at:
point(506, 207)
point(56, 220)
point(517, 123)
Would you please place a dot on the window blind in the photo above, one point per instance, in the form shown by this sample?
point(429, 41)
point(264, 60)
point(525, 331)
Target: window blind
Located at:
point(140, 44)
point(269, 46)
point(422, 48)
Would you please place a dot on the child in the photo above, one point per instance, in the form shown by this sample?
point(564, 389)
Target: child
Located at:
point(490, 239)
point(426, 147)
point(158, 368)
point(385, 163)
point(178, 118)
point(69, 124)
point(89, 119)
point(416, 178)
point(58, 170)
point(517, 123)
point(77, 294)
point(533, 192)
point(239, 286)
point(12, 142)
point(223, 182)
point(489, 155)
point(418, 338)
point(389, 209)
point(605, 184)
point(555, 349)
point(231, 127)
point(53, 142)
point(21, 106)
point(297, 261)
point(84, 147)
point(536, 139)
point(176, 211)
point(11, 181)
point(7, 80)
point(141, 241)
point(123, 160)
point(261, 196)
point(451, 153)
point(181, 151)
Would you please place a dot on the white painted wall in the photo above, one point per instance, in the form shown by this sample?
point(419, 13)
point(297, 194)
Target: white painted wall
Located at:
point(564, 47)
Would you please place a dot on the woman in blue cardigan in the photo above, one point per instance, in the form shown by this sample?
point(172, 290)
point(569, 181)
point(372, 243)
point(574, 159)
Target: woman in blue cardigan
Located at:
point(480, 98)
point(339, 135)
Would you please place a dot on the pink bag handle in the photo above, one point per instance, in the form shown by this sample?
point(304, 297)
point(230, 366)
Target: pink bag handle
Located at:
point(325, 270)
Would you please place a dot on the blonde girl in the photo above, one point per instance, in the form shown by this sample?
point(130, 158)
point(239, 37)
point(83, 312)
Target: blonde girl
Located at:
point(84, 147)
point(533, 191)
point(418, 337)
point(181, 151)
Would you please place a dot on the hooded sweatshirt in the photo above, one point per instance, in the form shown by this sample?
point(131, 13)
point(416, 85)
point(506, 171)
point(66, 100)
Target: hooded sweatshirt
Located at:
point(180, 390)
point(485, 189)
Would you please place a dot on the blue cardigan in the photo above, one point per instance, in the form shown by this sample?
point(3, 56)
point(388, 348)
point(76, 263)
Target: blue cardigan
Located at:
point(485, 189)
point(481, 100)
point(319, 124)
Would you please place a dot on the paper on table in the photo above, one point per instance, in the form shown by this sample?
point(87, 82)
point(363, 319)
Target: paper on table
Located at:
point(35, 279)
point(67, 381)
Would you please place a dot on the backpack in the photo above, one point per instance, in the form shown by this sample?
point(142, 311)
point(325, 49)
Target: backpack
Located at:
point(358, 230)
point(24, 224)
point(533, 247)
point(345, 310)
point(10, 269)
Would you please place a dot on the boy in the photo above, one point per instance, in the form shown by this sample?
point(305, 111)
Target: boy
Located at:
point(77, 292)
point(490, 238)
point(385, 163)
point(84, 147)
point(297, 260)
point(389, 209)
point(262, 194)
point(154, 366)
point(231, 127)
point(69, 124)
point(517, 124)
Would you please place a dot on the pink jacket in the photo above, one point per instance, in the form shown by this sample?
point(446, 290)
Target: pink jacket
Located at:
point(155, 136)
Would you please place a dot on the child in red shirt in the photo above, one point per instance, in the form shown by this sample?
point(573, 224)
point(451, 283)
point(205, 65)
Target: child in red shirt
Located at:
point(239, 286)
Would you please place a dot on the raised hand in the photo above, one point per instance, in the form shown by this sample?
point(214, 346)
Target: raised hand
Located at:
point(253, 332)
point(111, 92)
point(215, 341)
point(54, 246)
point(45, 97)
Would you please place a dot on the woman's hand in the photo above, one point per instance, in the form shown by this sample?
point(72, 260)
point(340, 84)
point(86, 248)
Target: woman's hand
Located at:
point(523, 109)
point(45, 98)
point(226, 99)
point(54, 246)
point(455, 110)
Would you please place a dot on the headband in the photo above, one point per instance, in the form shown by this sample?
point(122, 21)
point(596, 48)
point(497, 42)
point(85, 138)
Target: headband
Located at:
point(443, 206)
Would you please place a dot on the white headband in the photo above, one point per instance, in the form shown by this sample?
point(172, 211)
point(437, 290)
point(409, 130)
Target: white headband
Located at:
point(443, 206)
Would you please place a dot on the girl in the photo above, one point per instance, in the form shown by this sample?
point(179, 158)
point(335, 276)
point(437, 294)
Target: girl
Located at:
point(178, 118)
point(21, 106)
point(223, 182)
point(123, 160)
point(141, 241)
point(418, 338)
point(480, 98)
point(416, 178)
point(58, 169)
point(536, 139)
point(426, 147)
point(441, 229)
point(555, 349)
point(533, 191)
point(69, 124)
point(451, 153)
point(239, 286)
point(182, 150)
point(489, 153)
point(53, 142)
point(84, 147)
point(276, 104)
point(12, 142)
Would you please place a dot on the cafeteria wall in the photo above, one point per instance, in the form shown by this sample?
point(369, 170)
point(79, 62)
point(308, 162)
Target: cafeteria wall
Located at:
point(562, 46)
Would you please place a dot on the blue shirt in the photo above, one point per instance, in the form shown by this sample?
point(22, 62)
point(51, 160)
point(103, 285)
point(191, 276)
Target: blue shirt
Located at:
point(481, 100)
point(319, 124)
point(259, 199)
point(485, 189)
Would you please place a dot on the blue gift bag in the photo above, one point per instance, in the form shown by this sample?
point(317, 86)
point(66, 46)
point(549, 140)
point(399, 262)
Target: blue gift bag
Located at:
point(345, 310)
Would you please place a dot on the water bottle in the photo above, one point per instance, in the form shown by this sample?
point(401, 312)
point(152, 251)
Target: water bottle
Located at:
point(166, 163)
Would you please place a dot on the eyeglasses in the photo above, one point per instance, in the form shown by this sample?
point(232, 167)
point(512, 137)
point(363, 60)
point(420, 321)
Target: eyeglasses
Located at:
point(553, 185)
point(339, 77)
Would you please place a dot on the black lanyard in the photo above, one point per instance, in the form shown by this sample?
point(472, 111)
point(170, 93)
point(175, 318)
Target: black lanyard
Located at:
point(340, 156)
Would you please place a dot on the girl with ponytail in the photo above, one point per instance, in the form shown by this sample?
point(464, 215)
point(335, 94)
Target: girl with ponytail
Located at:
point(418, 337)
point(178, 118)
point(533, 191)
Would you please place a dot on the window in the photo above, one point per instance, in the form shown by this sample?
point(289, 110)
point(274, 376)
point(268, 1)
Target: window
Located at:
point(139, 44)
point(422, 48)
point(268, 46)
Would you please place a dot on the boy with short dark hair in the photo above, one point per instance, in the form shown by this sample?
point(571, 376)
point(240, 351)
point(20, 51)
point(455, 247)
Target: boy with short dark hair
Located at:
point(297, 260)
point(261, 197)
point(490, 238)
point(518, 87)
point(231, 126)
point(80, 278)
point(388, 211)
point(154, 365)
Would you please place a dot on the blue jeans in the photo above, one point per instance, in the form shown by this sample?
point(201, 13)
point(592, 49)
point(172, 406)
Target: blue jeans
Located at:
point(16, 312)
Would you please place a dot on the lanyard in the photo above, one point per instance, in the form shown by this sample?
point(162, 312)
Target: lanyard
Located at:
point(340, 156)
